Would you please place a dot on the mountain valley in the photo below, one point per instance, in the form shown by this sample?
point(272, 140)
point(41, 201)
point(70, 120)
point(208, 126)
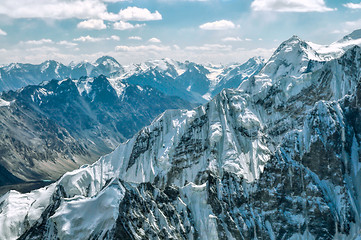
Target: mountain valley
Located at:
point(277, 157)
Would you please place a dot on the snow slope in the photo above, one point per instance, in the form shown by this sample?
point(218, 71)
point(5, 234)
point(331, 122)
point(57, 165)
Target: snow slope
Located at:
point(277, 158)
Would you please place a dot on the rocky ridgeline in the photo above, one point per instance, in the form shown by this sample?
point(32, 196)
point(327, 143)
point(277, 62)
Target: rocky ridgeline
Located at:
point(277, 158)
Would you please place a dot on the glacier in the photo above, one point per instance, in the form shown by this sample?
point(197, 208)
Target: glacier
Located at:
point(276, 158)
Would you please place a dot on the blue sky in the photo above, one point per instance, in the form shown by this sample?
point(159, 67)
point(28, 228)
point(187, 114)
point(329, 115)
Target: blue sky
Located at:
point(216, 31)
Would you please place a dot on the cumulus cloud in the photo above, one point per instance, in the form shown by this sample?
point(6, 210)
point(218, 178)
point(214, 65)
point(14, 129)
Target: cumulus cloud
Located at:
point(353, 5)
point(114, 37)
point(218, 25)
point(87, 39)
point(80, 9)
point(141, 48)
point(154, 40)
point(97, 24)
point(56, 9)
point(121, 25)
point(38, 42)
point(95, 39)
point(134, 38)
point(3, 33)
point(138, 14)
point(67, 44)
point(290, 6)
point(232, 39)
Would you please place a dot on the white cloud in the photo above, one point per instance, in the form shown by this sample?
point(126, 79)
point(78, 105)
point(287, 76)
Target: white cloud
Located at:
point(210, 47)
point(67, 44)
point(142, 48)
point(115, 1)
point(132, 14)
point(38, 42)
point(218, 25)
point(55, 9)
point(232, 39)
point(353, 5)
point(121, 25)
point(114, 37)
point(3, 33)
point(290, 6)
point(154, 40)
point(138, 14)
point(80, 9)
point(248, 39)
point(134, 38)
point(97, 24)
point(88, 39)
point(94, 39)
point(172, 1)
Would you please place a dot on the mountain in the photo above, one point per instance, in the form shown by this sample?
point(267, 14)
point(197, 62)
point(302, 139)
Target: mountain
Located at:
point(276, 158)
point(192, 82)
point(232, 76)
point(338, 48)
point(57, 126)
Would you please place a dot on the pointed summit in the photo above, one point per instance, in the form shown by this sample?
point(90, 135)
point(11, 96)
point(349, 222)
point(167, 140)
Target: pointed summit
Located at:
point(106, 65)
point(290, 58)
point(108, 62)
point(291, 44)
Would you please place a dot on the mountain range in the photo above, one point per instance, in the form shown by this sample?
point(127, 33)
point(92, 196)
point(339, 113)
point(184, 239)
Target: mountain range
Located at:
point(57, 126)
point(193, 82)
point(73, 121)
point(276, 158)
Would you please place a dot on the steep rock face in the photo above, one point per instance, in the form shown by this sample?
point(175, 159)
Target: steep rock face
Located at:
point(277, 158)
point(233, 76)
point(55, 127)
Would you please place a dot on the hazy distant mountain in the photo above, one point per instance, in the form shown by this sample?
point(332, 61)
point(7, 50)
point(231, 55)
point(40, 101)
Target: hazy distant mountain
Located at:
point(17, 75)
point(276, 158)
point(190, 81)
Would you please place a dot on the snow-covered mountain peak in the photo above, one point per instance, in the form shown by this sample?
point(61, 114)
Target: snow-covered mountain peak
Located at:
point(12, 66)
point(167, 65)
point(256, 59)
point(295, 47)
point(107, 61)
point(50, 65)
point(338, 48)
point(278, 161)
point(290, 59)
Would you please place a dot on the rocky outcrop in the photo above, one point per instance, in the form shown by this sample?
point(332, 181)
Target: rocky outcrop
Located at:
point(277, 158)
point(56, 127)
